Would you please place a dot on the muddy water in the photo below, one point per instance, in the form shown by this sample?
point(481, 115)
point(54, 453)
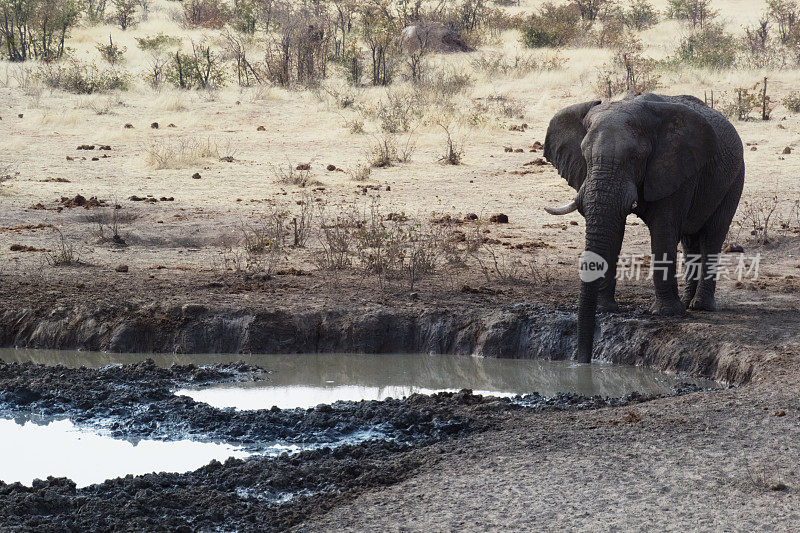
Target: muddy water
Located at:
point(306, 380)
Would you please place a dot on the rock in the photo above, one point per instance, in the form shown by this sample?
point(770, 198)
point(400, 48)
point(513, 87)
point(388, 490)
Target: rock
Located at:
point(105, 147)
point(499, 218)
point(192, 309)
point(303, 166)
point(171, 125)
point(129, 126)
point(196, 176)
point(733, 249)
point(436, 36)
point(135, 198)
point(85, 147)
point(754, 149)
point(121, 268)
point(388, 188)
point(227, 159)
point(573, 222)
point(261, 128)
point(537, 146)
point(20, 115)
point(518, 151)
point(508, 149)
point(470, 216)
point(330, 168)
point(154, 125)
point(787, 150)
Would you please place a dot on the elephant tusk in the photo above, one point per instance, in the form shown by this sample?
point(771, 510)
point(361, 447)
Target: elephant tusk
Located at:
point(563, 210)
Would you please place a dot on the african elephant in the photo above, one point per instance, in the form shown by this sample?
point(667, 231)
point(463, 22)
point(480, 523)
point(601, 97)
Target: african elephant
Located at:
point(672, 161)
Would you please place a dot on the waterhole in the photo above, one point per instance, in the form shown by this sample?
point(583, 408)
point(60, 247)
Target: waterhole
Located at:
point(307, 380)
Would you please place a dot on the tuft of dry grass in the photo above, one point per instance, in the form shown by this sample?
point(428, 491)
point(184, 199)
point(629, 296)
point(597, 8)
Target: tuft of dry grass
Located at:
point(179, 153)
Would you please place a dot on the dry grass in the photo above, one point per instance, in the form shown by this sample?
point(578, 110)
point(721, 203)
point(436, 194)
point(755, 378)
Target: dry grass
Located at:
point(180, 153)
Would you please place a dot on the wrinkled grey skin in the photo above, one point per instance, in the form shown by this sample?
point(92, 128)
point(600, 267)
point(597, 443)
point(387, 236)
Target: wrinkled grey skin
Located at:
point(672, 161)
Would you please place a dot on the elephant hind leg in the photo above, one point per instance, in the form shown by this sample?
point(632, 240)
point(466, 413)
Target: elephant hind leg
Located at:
point(712, 236)
point(693, 260)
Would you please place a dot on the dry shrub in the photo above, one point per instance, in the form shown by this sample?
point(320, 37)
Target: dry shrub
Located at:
point(294, 174)
point(179, 153)
point(629, 71)
point(206, 13)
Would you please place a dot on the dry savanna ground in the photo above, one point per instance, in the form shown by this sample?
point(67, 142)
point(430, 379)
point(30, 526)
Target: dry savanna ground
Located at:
point(347, 180)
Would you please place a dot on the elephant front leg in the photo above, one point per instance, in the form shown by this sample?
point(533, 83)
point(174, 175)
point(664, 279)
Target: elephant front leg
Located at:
point(606, 301)
point(664, 269)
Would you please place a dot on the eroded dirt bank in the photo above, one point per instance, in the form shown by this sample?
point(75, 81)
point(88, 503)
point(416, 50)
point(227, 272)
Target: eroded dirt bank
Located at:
point(711, 346)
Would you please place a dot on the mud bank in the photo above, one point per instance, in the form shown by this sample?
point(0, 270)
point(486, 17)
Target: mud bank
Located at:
point(701, 347)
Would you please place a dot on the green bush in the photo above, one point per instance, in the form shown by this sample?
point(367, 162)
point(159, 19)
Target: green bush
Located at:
point(200, 69)
point(157, 43)
point(640, 15)
point(710, 47)
point(553, 26)
point(792, 102)
point(80, 78)
point(697, 12)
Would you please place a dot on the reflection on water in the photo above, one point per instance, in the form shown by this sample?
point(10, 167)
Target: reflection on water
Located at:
point(30, 451)
point(263, 396)
point(303, 380)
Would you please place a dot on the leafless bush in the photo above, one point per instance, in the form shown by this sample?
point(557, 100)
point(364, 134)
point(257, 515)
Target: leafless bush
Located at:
point(298, 52)
point(383, 151)
point(237, 47)
point(293, 174)
point(758, 215)
point(64, 251)
point(265, 242)
point(454, 150)
point(361, 172)
point(398, 112)
point(109, 223)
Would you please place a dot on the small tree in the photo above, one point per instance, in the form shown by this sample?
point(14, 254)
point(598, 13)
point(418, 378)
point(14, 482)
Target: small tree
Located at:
point(36, 29)
point(379, 27)
point(125, 11)
point(697, 12)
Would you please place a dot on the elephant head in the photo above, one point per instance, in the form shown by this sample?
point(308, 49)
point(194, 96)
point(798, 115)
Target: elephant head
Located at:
point(623, 157)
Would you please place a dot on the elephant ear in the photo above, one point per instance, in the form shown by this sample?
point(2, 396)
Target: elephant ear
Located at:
point(562, 145)
point(685, 143)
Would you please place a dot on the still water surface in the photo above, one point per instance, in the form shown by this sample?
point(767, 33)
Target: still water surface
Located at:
point(306, 380)
point(58, 448)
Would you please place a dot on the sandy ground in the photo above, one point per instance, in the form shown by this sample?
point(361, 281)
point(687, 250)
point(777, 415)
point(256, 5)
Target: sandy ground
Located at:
point(713, 461)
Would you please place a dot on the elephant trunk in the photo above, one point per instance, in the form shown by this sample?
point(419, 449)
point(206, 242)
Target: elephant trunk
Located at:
point(605, 206)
